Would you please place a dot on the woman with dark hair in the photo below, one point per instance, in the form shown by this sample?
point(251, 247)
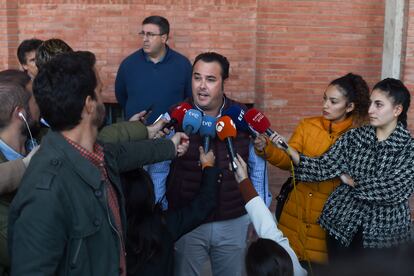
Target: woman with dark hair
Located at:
point(345, 105)
point(375, 164)
point(151, 232)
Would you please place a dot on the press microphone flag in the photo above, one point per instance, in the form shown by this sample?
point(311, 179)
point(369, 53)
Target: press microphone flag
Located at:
point(207, 131)
point(258, 121)
point(236, 113)
point(226, 131)
point(177, 115)
point(192, 121)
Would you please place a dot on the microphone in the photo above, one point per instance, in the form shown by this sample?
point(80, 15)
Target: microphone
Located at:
point(192, 121)
point(207, 131)
point(260, 123)
point(226, 131)
point(177, 115)
point(236, 113)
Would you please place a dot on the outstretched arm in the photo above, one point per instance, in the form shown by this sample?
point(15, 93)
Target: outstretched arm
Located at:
point(262, 219)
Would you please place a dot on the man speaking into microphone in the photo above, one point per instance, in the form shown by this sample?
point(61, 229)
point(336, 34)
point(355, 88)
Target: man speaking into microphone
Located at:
point(222, 238)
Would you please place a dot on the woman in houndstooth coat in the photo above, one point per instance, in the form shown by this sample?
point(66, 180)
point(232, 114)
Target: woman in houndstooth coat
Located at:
point(376, 166)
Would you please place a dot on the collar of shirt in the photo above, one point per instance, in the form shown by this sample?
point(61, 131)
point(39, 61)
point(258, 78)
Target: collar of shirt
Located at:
point(220, 111)
point(96, 157)
point(147, 58)
point(8, 152)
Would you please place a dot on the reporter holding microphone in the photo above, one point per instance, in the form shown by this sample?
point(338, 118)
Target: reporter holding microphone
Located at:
point(369, 210)
point(271, 254)
point(345, 105)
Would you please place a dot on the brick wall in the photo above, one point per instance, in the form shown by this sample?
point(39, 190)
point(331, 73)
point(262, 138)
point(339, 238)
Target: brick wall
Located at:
point(282, 53)
point(303, 45)
point(408, 69)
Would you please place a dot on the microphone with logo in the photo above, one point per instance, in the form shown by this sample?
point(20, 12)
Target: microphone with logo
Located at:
point(226, 131)
point(192, 121)
point(177, 115)
point(236, 113)
point(258, 121)
point(207, 131)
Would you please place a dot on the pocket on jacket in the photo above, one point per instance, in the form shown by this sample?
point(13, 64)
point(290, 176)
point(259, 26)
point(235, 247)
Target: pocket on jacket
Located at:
point(77, 252)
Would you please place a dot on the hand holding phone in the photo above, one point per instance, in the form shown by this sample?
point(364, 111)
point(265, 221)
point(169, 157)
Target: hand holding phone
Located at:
point(148, 112)
point(142, 116)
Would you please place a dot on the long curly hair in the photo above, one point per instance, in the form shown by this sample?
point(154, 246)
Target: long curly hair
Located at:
point(356, 90)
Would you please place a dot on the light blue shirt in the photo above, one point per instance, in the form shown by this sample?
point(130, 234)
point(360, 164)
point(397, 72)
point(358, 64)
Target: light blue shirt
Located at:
point(9, 153)
point(257, 171)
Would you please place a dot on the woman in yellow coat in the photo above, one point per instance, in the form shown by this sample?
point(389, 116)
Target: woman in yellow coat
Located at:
point(345, 105)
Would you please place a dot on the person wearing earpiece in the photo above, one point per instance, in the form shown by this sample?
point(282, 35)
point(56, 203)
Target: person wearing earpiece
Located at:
point(68, 216)
point(13, 127)
point(271, 254)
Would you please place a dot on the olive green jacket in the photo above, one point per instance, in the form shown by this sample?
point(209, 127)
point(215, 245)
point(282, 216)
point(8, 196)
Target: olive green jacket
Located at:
point(59, 223)
point(12, 173)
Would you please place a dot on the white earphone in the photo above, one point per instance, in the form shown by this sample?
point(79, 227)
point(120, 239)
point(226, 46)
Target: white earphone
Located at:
point(21, 115)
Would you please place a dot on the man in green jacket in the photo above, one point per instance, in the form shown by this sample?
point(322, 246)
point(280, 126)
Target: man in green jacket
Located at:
point(16, 96)
point(68, 216)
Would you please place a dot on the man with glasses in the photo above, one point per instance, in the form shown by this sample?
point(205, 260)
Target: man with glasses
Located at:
point(154, 77)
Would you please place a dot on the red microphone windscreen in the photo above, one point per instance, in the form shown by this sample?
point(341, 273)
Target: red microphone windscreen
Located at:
point(257, 120)
point(225, 128)
point(179, 111)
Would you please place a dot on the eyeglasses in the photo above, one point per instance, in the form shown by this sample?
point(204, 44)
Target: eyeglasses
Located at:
point(143, 34)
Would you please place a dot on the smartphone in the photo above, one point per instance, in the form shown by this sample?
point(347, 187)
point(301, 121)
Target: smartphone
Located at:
point(148, 112)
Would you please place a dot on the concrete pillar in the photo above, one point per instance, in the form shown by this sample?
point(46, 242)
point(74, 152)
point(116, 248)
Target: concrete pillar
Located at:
point(394, 38)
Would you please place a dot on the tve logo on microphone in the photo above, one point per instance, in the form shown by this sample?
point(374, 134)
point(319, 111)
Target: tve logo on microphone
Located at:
point(194, 114)
point(207, 123)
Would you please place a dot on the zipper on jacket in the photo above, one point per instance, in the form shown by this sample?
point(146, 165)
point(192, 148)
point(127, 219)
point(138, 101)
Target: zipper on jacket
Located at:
point(110, 221)
point(75, 257)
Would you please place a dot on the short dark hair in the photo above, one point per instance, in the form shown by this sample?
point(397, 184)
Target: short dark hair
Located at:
point(215, 57)
point(160, 21)
point(399, 94)
point(15, 76)
point(62, 86)
point(49, 49)
point(12, 95)
point(27, 46)
point(267, 258)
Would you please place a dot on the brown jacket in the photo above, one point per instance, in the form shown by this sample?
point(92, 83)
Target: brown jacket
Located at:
point(184, 179)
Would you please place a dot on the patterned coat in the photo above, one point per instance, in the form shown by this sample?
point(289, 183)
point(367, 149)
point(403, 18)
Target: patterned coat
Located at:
point(383, 172)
